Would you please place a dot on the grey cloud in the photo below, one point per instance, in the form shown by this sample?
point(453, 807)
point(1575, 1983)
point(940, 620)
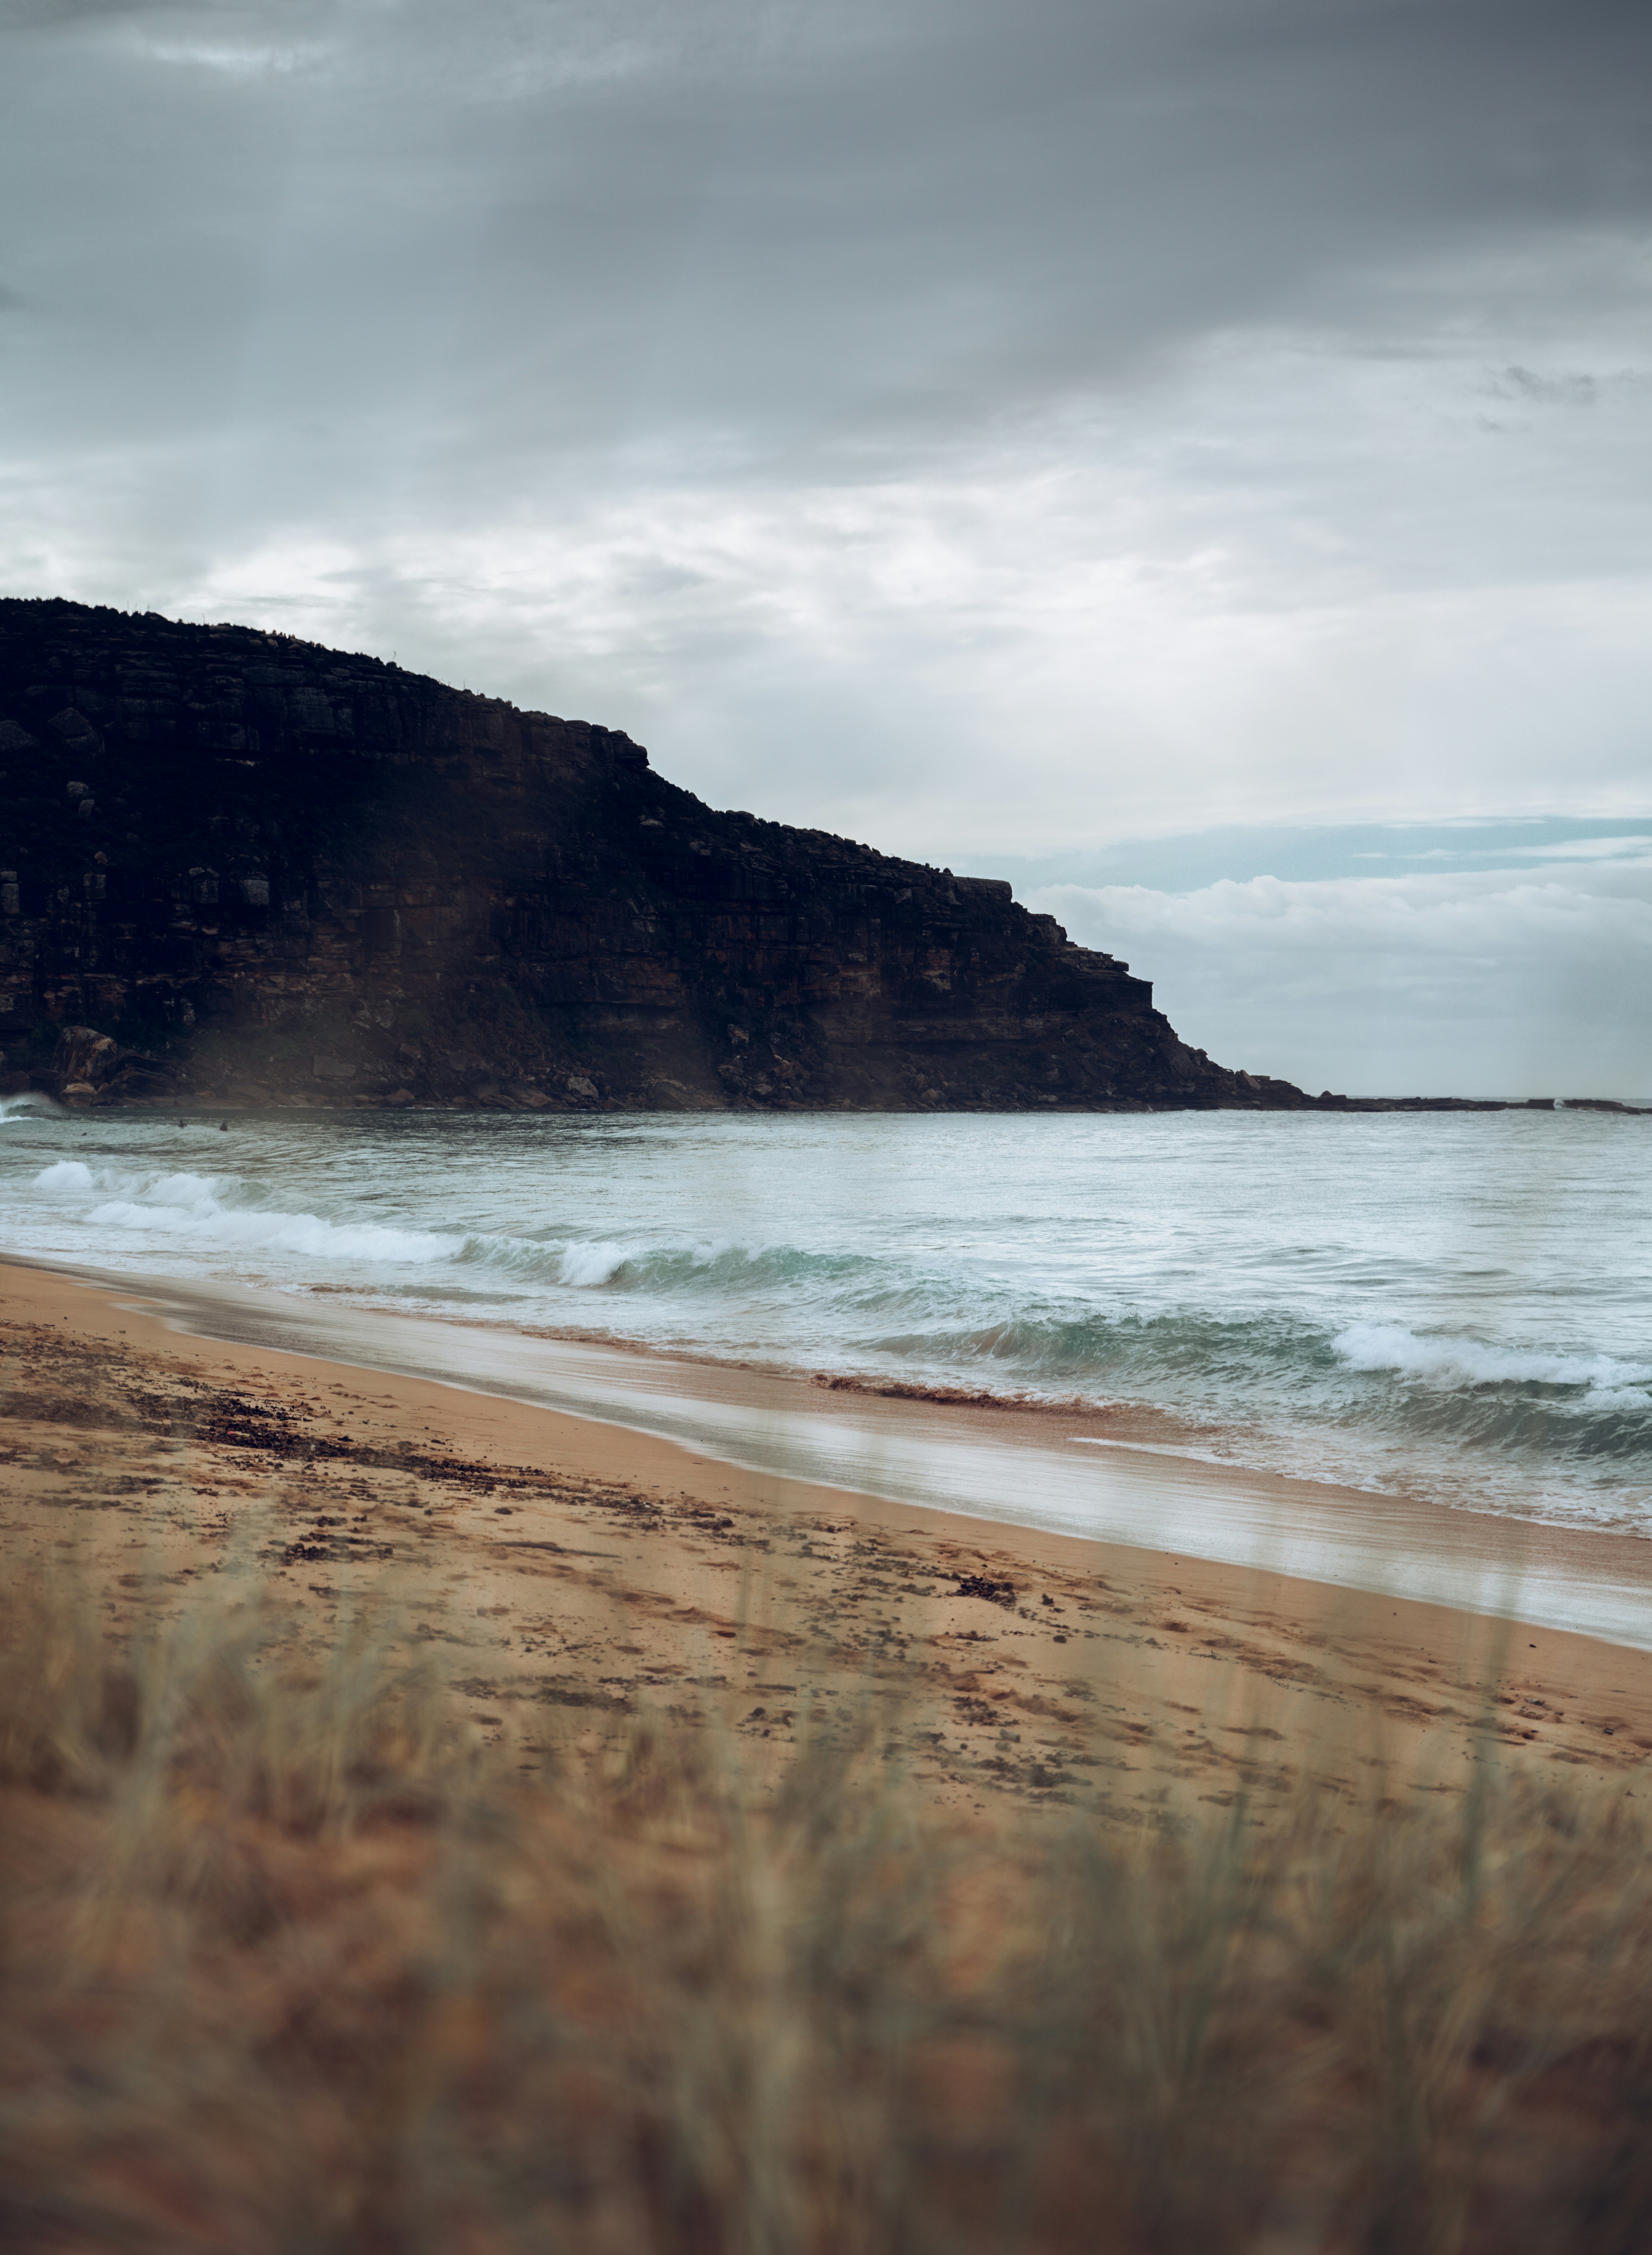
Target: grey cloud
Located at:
point(30, 15)
point(1523, 383)
point(841, 226)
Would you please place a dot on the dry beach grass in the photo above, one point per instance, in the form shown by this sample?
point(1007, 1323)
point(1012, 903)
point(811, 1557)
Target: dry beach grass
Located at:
point(292, 1961)
point(352, 1897)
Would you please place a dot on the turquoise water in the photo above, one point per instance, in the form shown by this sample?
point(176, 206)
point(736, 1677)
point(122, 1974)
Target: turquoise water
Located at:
point(1448, 1306)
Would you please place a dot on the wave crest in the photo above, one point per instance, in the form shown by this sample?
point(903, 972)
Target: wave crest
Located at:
point(1450, 1362)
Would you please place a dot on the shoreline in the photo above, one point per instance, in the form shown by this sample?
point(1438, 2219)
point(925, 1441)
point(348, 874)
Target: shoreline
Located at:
point(626, 1568)
point(79, 1098)
point(1022, 1470)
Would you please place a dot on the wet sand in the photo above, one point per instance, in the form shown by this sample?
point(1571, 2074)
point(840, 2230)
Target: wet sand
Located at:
point(1100, 1472)
point(549, 1563)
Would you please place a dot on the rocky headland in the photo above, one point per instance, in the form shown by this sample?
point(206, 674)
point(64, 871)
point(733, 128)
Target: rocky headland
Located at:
point(240, 868)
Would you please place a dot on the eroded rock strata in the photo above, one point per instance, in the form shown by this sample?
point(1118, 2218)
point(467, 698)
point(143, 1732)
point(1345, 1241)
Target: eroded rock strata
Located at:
point(238, 865)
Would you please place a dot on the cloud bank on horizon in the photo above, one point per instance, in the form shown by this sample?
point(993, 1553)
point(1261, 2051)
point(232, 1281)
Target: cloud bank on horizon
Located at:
point(1490, 982)
point(989, 432)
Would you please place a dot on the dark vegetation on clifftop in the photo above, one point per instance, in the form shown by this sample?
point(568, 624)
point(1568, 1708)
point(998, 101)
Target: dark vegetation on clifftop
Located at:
point(239, 866)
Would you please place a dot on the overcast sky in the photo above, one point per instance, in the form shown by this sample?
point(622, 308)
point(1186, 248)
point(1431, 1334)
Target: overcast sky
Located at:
point(1189, 456)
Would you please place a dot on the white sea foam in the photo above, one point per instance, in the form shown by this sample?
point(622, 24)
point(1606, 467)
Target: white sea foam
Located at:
point(65, 1175)
point(586, 1265)
point(1453, 1362)
point(225, 1211)
point(221, 1211)
point(261, 1229)
point(202, 1195)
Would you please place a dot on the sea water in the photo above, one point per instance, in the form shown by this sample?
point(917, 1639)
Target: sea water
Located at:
point(1447, 1306)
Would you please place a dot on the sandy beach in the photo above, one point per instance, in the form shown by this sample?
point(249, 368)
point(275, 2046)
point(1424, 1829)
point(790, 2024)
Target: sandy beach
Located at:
point(550, 1562)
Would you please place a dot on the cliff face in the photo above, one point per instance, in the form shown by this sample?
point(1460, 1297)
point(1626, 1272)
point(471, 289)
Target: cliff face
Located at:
point(238, 865)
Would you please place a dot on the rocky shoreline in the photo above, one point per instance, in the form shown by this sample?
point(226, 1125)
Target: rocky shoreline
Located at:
point(88, 1069)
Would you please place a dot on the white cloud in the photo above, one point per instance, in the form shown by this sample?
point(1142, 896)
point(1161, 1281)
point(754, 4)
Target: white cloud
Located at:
point(233, 61)
point(1494, 984)
point(1577, 849)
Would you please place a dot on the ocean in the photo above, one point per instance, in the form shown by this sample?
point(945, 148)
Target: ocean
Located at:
point(1446, 1308)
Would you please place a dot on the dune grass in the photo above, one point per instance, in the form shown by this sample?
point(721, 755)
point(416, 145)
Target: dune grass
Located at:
point(292, 1962)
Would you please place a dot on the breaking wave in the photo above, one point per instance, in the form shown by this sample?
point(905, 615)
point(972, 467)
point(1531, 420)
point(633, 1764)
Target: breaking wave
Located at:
point(1453, 1363)
point(226, 1212)
point(218, 1212)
